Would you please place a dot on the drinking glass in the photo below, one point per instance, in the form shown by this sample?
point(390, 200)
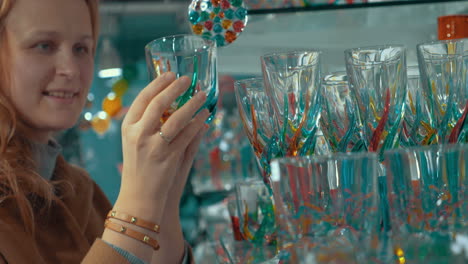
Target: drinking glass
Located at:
point(444, 73)
point(427, 194)
point(339, 120)
point(427, 188)
point(323, 196)
point(259, 123)
point(377, 76)
point(224, 157)
point(292, 82)
point(185, 55)
point(416, 128)
point(256, 212)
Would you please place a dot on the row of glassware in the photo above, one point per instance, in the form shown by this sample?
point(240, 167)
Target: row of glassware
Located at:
point(371, 205)
point(335, 209)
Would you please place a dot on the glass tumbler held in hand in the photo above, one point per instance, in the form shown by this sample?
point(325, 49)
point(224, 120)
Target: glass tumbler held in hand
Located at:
point(185, 55)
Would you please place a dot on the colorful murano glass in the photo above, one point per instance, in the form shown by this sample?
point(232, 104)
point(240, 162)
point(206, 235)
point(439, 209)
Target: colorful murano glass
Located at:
point(444, 73)
point(377, 77)
point(185, 55)
point(218, 20)
point(259, 122)
point(292, 83)
point(326, 196)
point(339, 118)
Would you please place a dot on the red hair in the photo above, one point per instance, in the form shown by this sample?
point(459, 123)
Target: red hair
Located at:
point(19, 180)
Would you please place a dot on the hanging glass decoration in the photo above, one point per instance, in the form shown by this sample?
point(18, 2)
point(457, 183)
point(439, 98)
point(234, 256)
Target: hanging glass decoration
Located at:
point(221, 21)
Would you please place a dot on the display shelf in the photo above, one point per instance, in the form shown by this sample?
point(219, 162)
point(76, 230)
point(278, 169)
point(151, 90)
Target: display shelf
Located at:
point(322, 7)
point(333, 31)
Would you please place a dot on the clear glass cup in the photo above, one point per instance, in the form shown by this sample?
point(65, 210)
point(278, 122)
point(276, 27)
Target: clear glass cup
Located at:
point(339, 119)
point(326, 196)
point(427, 188)
point(444, 72)
point(377, 77)
point(292, 82)
point(427, 195)
point(185, 55)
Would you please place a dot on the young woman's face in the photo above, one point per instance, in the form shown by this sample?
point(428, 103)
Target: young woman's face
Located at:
point(51, 62)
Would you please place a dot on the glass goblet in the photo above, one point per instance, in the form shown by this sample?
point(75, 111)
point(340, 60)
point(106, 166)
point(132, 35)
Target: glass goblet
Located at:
point(292, 82)
point(339, 118)
point(377, 77)
point(416, 128)
point(259, 123)
point(444, 73)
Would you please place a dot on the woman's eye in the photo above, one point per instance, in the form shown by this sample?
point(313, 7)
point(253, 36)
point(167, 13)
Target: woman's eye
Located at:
point(44, 47)
point(82, 49)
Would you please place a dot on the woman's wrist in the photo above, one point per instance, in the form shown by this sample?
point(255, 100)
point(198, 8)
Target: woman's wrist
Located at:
point(147, 209)
point(135, 247)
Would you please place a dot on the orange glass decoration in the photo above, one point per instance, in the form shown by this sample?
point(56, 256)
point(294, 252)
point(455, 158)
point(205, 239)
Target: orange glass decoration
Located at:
point(112, 104)
point(101, 122)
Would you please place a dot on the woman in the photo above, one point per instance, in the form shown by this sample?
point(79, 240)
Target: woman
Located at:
point(52, 212)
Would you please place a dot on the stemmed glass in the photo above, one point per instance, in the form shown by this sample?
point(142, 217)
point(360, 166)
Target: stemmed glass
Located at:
point(259, 124)
point(339, 118)
point(377, 76)
point(416, 128)
point(292, 83)
point(444, 73)
point(187, 55)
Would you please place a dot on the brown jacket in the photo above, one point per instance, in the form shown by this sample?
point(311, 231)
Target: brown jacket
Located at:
point(70, 233)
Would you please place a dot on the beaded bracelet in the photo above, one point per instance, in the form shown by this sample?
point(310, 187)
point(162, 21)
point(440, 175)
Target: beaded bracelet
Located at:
point(132, 233)
point(133, 220)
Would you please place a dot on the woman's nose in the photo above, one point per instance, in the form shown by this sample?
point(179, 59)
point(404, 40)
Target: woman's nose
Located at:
point(67, 65)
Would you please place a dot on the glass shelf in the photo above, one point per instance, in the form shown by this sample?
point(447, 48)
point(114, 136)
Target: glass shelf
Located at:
point(322, 7)
point(333, 31)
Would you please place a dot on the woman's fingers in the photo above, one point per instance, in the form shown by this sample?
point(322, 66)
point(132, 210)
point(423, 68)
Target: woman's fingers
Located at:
point(186, 164)
point(150, 120)
point(141, 102)
point(186, 135)
point(180, 118)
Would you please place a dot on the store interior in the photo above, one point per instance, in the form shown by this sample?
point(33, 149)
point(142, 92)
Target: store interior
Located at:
point(271, 27)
